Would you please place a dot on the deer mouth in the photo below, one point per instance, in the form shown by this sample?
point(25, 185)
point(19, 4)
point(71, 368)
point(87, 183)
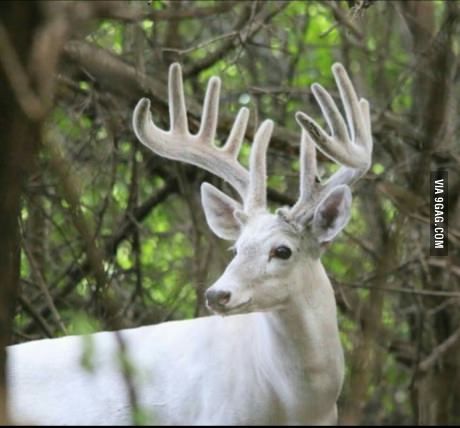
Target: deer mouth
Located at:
point(233, 309)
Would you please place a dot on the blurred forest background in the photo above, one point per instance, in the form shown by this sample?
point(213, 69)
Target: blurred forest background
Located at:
point(99, 233)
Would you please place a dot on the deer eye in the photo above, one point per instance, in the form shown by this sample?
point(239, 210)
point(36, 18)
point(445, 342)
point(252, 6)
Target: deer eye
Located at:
point(281, 252)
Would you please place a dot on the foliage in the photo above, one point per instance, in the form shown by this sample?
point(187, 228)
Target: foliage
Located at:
point(144, 213)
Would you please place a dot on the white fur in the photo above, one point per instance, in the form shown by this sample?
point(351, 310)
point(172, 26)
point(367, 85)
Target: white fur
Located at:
point(275, 357)
point(282, 363)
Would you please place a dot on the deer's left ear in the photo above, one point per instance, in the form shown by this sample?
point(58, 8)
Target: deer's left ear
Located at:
point(332, 214)
point(221, 212)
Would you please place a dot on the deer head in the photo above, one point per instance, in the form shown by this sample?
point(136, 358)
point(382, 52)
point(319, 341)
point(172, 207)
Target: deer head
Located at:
point(269, 247)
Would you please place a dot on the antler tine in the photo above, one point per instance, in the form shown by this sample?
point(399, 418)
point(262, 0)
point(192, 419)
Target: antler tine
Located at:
point(210, 113)
point(199, 150)
point(356, 115)
point(257, 193)
point(233, 144)
point(308, 170)
point(347, 147)
point(350, 142)
point(176, 98)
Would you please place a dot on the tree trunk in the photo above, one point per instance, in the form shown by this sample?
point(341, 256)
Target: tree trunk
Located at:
point(20, 137)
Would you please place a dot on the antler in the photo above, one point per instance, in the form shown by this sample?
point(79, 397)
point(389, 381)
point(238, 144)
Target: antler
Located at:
point(199, 149)
point(350, 143)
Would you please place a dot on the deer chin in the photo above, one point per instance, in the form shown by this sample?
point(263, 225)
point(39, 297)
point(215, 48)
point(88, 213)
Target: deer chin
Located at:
point(273, 307)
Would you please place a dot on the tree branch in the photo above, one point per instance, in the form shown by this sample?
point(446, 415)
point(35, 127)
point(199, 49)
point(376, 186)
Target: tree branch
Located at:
point(120, 78)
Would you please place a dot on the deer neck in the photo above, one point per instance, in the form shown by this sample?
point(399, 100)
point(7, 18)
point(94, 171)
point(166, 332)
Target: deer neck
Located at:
point(303, 337)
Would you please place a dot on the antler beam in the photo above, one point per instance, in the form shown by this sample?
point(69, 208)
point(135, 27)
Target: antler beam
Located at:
point(350, 142)
point(199, 149)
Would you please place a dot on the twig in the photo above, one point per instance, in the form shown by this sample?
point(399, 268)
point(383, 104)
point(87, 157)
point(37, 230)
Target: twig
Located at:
point(61, 168)
point(127, 371)
point(20, 83)
point(245, 31)
point(405, 290)
point(444, 264)
point(342, 18)
point(202, 44)
point(135, 15)
point(28, 307)
point(439, 351)
point(43, 287)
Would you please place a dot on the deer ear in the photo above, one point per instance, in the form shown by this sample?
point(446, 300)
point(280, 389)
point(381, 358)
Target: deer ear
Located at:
point(220, 210)
point(332, 214)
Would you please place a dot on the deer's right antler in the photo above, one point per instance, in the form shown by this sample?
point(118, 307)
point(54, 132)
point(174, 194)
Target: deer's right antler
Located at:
point(199, 149)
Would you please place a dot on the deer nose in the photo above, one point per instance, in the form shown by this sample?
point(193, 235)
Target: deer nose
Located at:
point(217, 297)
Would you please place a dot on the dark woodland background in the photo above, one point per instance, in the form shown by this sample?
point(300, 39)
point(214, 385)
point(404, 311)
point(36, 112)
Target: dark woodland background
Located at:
point(99, 233)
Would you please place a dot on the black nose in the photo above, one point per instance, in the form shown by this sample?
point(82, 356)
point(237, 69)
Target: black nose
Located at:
point(218, 297)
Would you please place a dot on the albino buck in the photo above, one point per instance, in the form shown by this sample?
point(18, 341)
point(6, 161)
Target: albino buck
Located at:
point(273, 355)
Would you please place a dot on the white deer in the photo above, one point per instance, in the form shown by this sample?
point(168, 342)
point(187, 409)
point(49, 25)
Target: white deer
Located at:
point(273, 353)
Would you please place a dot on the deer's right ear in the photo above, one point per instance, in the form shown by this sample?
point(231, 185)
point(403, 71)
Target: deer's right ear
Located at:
point(220, 210)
